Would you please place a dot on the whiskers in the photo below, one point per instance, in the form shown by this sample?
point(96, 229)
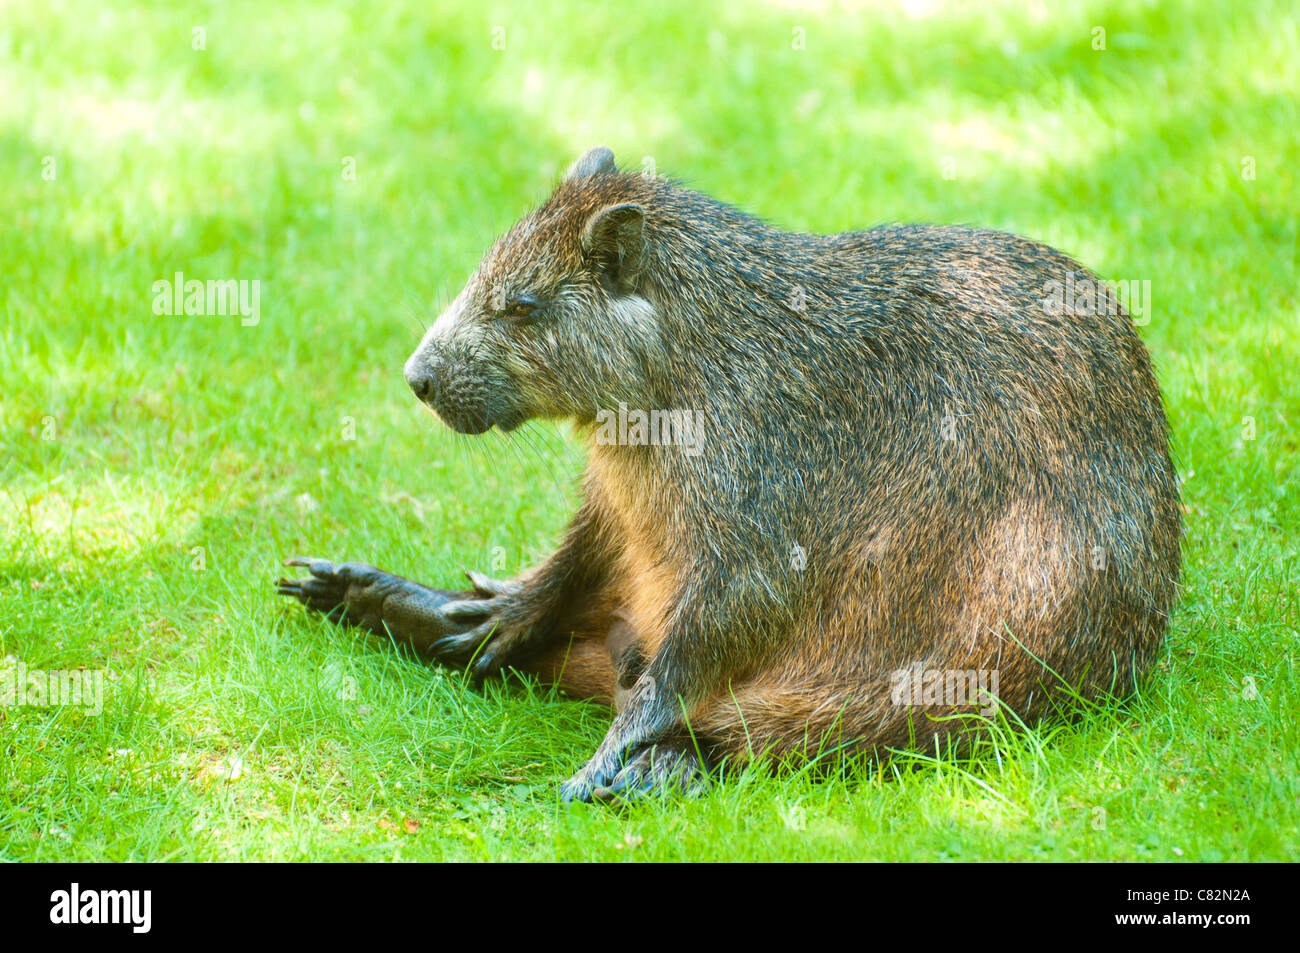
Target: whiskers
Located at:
point(414, 311)
point(423, 313)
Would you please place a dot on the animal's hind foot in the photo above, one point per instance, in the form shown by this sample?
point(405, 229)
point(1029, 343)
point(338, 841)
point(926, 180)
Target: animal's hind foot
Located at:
point(346, 593)
point(479, 618)
point(438, 624)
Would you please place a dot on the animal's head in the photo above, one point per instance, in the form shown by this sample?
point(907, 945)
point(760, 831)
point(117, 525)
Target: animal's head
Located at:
point(551, 324)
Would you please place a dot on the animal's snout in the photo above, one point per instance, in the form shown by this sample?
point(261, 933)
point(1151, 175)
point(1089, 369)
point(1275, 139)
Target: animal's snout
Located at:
point(422, 378)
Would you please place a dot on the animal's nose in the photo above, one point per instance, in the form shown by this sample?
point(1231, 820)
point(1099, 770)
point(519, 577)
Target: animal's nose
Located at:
point(422, 378)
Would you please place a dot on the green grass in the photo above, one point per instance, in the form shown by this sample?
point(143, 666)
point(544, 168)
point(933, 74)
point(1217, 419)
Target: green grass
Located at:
point(136, 448)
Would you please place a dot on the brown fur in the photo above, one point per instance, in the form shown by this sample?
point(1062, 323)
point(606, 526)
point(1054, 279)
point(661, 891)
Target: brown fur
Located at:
point(948, 454)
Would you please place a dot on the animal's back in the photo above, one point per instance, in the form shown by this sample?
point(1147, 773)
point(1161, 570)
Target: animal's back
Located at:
point(988, 489)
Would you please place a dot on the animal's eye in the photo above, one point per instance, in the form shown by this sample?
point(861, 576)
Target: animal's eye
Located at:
point(523, 308)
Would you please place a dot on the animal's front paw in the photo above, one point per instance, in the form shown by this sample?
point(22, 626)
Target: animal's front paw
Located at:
point(658, 770)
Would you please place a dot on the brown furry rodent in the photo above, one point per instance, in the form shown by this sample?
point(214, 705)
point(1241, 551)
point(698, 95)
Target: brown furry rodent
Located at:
point(905, 461)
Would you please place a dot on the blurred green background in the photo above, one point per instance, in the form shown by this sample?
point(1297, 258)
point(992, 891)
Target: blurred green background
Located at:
point(356, 160)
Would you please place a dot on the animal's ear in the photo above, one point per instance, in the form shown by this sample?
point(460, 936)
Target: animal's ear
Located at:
point(613, 241)
point(590, 163)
